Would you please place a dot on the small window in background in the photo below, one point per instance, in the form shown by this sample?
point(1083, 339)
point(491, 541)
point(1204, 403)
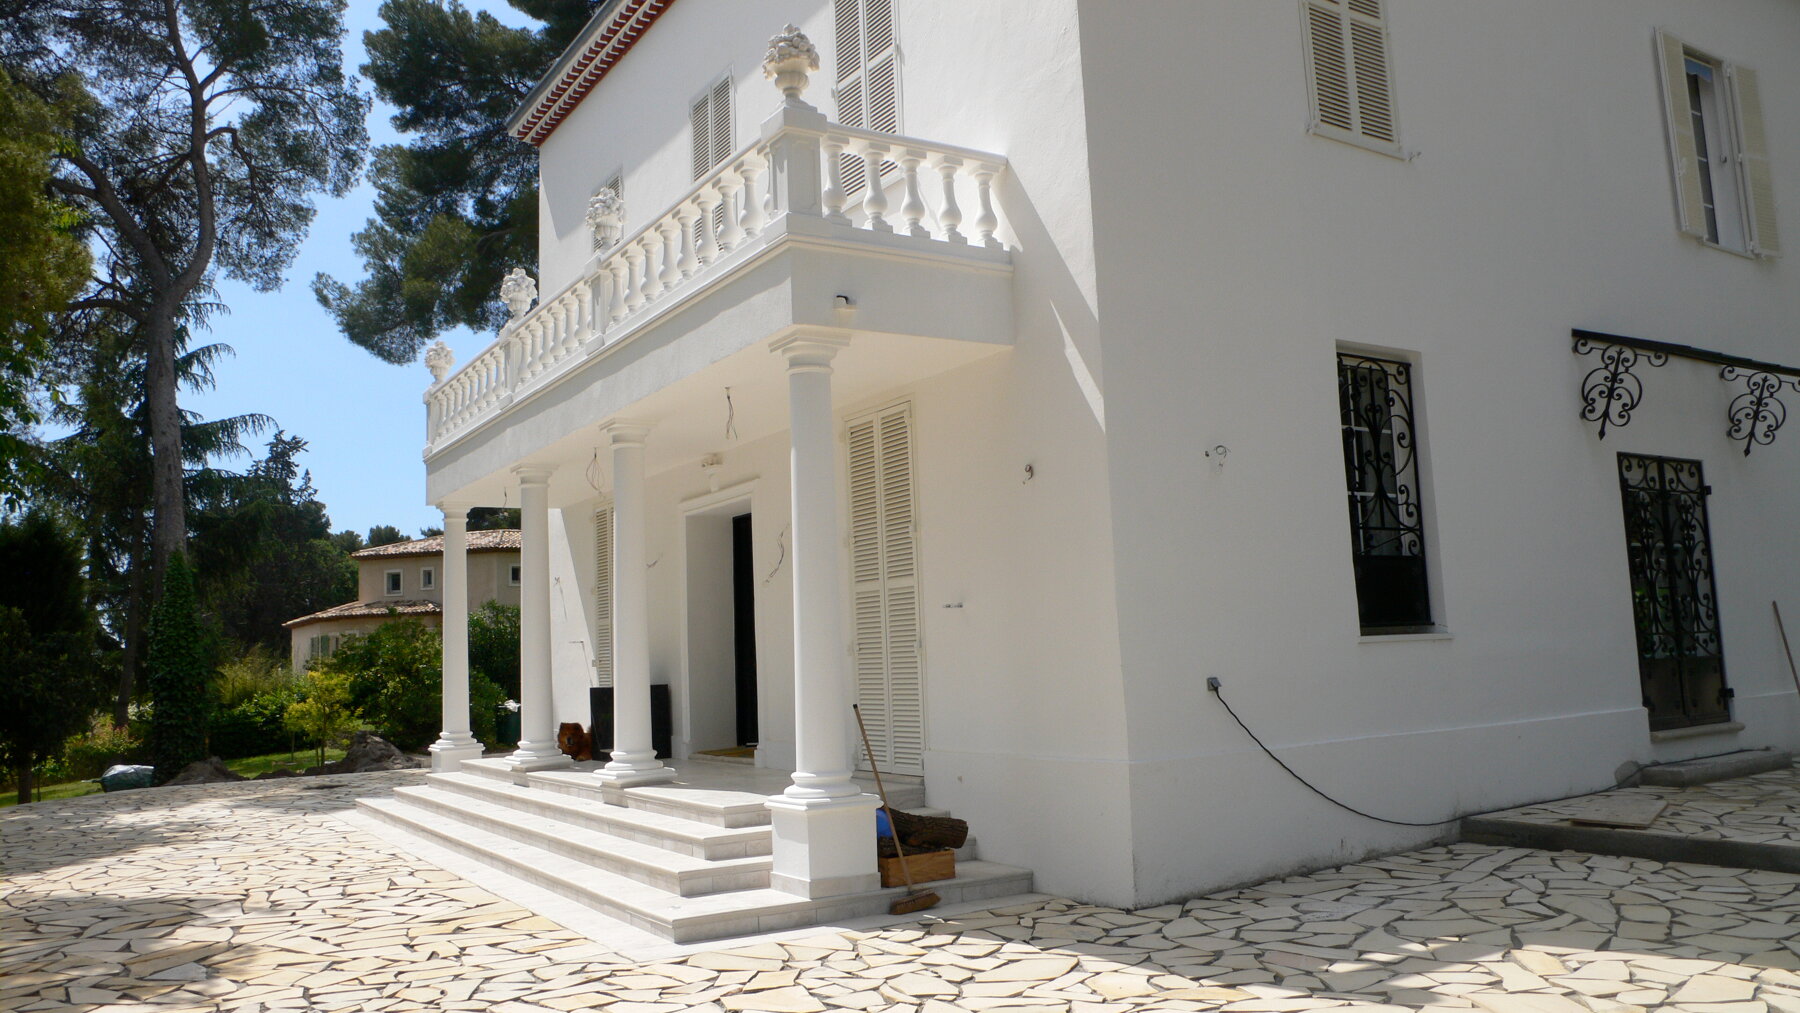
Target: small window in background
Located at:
point(427, 579)
point(512, 576)
point(393, 582)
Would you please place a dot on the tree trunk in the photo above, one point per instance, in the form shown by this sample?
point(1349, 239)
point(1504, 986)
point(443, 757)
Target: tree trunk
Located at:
point(26, 782)
point(134, 629)
point(168, 504)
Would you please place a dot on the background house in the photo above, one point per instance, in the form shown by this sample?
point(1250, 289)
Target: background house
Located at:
point(406, 579)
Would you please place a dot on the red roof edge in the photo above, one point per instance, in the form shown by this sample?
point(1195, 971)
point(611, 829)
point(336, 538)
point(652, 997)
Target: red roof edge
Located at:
point(580, 75)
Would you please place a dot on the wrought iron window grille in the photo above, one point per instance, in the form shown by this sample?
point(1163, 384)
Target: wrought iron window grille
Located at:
point(1611, 391)
point(1381, 473)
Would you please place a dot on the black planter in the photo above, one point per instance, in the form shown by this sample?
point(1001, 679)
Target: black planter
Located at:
point(662, 724)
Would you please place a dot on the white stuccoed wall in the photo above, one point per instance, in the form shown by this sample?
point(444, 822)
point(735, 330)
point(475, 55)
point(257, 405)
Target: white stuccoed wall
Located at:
point(1235, 251)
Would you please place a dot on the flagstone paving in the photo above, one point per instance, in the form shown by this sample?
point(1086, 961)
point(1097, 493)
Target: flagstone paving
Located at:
point(1759, 809)
point(254, 897)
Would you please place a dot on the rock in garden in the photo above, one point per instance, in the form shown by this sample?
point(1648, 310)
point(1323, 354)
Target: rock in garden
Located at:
point(367, 752)
point(208, 771)
point(121, 776)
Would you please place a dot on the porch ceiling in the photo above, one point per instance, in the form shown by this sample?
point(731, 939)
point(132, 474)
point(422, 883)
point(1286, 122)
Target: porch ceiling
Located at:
point(689, 417)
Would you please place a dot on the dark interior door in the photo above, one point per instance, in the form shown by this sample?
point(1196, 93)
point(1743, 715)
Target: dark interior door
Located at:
point(1674, 605)
point(743, 593)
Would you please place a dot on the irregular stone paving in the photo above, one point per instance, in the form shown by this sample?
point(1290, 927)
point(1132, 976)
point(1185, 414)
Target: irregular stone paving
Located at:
point(1759, 809)
point(254, 898)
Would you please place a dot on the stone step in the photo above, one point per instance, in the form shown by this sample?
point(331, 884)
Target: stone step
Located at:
point(1687, 773)
point(688, 837)
point(680, 919)
point(676, 873)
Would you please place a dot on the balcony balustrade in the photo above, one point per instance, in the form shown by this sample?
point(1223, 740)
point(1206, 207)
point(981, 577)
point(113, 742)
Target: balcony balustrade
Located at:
point(797, 169)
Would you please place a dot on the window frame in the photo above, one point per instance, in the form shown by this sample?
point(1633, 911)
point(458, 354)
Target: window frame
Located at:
point(1739, 173)
point(1317, 124)
point(514, 575)
point(427, 578)
point(393, 583)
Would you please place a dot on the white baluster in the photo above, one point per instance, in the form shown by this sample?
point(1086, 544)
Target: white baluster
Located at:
point(875, 200)
point(950, 216)
point(912, 207)
point(621, 283)
point(688, 260)
point(834, 195)
point(986, 220)
point(671, 234)
point(733, 232)
point(755, 201)
point(707, 199)
point(652, 243)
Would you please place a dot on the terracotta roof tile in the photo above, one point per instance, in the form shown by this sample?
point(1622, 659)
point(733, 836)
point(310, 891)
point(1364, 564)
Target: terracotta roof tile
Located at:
point(499, 540)
point(359, 609)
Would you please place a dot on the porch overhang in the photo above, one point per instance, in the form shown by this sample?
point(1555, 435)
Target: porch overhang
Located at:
point(911, 310)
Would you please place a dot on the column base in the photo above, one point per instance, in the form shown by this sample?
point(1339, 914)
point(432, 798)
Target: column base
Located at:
point(449, 751)
point(636, 777)
point(824, 847)
point(538, 756)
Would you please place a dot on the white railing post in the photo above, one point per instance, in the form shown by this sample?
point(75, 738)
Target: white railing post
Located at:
point(912, 205)
point(733, 232)
point(986, 220)
point(950, 216)
point(875, 200)
point(754, 212)
point(687, 257)
point(834, 195)
point(707, 200)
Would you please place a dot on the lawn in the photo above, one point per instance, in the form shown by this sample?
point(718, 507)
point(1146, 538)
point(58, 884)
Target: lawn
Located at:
point(248, 766)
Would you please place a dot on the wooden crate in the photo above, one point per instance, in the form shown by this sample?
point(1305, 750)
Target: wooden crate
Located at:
point(926, 867)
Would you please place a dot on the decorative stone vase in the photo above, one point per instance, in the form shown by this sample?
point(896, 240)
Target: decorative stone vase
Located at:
point(791, 55)
point(519, 291)
point(606, 217)
point(439, 358)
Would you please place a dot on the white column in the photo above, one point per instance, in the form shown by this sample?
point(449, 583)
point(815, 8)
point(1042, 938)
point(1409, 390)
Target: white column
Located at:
point(824, 824)
point(455, 743)
point(634, 759)
point(537, 743)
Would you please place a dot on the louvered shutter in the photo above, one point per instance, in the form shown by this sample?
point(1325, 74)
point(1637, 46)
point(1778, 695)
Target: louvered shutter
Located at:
point(1684, 153)
point(889, 667)
point(603, 597)
point(1349, 76)
point(868, 85)
point(1753, 160)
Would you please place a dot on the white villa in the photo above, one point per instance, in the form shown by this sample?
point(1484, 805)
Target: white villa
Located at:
point(1017, 368)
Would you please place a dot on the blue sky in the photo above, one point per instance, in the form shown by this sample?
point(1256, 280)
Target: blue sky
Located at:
point(362, 418)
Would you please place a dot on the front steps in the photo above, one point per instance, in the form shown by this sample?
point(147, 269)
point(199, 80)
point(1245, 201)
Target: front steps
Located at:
point(684, 862)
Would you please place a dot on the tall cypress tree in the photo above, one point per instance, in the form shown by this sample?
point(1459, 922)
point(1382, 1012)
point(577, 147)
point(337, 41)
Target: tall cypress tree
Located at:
point(178, 675)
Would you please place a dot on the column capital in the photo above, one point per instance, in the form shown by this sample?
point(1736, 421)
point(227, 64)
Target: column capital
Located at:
point(625, 432)
point(810, 348)
point(533, 474)
point(454, 512)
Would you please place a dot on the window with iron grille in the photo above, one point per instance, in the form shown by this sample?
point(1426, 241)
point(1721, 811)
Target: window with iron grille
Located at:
point(1381, 475)
point(1681, 661)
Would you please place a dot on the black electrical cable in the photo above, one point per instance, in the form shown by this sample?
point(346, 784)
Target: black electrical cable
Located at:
point(1213, 686)
point(1216, 691)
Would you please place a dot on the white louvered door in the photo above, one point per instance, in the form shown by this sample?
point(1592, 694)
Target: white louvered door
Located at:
point(884, 575)
point(603, 596)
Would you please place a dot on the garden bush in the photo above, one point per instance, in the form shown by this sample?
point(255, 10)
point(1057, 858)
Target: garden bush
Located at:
point(494, 647)
point(88, 754)
point(395, 678)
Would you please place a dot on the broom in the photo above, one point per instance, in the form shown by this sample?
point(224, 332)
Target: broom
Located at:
point(915, 899)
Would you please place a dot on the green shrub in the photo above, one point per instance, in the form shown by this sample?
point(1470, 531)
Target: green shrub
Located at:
point(256, 672)
point(485, 695)
point(87, 755)
point(494, 647)
point(257, 726)
point(395, 680)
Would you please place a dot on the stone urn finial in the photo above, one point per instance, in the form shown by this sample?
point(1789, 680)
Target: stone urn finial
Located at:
point(606, 217)
point(790, 57)
point(439, 358)
point(519, 291)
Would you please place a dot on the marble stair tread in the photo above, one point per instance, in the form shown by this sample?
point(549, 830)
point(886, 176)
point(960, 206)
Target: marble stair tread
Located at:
point(668, 870)
point(701, 839)
point(682, 919)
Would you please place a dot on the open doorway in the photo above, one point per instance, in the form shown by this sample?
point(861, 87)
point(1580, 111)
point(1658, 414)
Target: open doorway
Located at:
point(720, 693)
